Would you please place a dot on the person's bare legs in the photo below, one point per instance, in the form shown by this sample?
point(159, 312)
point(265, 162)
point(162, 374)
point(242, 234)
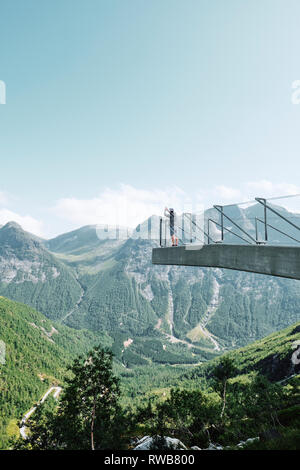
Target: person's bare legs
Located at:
point(174, 240)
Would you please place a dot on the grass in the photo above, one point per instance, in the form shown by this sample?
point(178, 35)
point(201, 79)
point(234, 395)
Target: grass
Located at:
point(196, 334)
point(12, 428)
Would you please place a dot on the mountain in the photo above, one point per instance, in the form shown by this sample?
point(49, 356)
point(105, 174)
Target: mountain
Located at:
point(74, 242)
point(279, 230)
point(213, 308)
point(155, 314)
point(276, 357)
point(31, 274)
point(83, 250)
point(35, 354)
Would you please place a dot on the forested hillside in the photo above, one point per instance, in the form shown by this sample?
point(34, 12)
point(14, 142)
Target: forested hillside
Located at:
point(271, 357)
point(248, 398)
point(37, 353)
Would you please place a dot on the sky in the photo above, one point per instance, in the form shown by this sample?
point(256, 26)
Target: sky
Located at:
point(126, 106)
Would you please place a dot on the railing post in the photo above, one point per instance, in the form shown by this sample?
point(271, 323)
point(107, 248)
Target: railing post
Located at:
point(222, 221)
point(208, 234)
point(265, 219)
point(256, 231)
point(160, 231)
point(234, 223)
point(264, 203)
point(183, 229)
point(166, 221)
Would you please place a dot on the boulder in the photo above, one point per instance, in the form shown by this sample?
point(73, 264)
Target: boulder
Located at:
point(214, 447)
point(248, 441)
point(150, 443)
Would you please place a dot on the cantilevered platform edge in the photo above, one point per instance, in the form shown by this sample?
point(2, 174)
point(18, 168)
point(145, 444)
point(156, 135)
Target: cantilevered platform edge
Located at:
point(281, 261)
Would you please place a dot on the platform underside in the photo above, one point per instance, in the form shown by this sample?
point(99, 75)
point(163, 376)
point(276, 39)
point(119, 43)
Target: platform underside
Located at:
point(282, 261)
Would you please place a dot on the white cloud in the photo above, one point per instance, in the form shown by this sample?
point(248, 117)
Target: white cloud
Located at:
point(27, 222)
point(3, 197)
point(126, 206)
point(248, 191)
point(267, 189)
point(226, 193)
point(220, 194)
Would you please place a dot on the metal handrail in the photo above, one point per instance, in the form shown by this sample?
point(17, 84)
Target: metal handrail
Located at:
point(230, 231)
point(277, 230)
point(236, 225)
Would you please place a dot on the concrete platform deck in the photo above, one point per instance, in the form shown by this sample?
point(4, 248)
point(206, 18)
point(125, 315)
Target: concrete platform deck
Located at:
point(282, 261)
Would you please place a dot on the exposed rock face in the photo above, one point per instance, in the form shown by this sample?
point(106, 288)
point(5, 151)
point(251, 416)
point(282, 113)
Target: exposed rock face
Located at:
point(152, 443)
point(19, 271)
point(214, 447)
point(31, 274)
point(277, 368)
point(248, 441)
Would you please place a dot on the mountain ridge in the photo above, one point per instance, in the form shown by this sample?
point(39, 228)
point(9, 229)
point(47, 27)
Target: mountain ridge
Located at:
point(30, 273)
point(111, 285)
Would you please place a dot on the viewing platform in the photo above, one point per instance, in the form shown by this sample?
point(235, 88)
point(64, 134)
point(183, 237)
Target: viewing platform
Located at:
point(282, 261)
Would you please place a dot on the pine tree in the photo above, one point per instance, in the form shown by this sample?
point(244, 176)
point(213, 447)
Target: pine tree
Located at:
point(89, 415)
point(222, 372)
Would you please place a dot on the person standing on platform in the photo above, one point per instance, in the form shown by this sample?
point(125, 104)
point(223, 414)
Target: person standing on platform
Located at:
point(171, 215)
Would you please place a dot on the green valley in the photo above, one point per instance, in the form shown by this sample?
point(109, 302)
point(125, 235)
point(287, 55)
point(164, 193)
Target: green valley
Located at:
point(233, 402)
point(166, 326)
point(37, 353)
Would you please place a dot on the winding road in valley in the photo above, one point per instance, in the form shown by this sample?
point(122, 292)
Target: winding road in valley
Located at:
point(56, 393)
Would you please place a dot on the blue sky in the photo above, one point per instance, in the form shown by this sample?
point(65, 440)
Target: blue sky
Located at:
point(149, 100)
